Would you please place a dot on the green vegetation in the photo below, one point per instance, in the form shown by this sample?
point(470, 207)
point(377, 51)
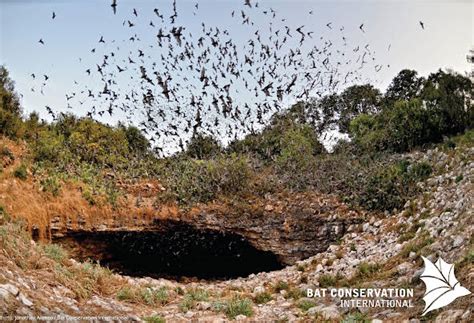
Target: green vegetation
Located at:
point(280, 285)
point(286, 155)
point(327, 280)
point(262, 298)
point(55, 252)
point(305, 305)
point(154, 319)
point(21, 172)
point(191, 297)
point(146, 295)
point(238, 306)
point(366, 270)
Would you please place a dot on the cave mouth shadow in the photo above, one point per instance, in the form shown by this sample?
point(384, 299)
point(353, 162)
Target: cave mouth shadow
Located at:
point(175, 251)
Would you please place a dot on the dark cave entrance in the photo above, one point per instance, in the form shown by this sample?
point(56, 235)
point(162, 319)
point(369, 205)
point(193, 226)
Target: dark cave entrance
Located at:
point(174, 251)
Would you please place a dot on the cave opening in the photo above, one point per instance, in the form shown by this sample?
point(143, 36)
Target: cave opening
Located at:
point(174, 250)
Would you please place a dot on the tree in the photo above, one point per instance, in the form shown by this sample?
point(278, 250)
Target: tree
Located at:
point(137, 142)
point(8, 98)
point(405, 86)
point(448, 98)
point(356, 100)
point(203, 147)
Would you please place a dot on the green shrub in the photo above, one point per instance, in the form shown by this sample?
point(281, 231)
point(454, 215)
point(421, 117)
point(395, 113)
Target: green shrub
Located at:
point(327, 280)
point(202, 181)
point(191, 297)
point(305, 304)
point(296, 159)
point(137, 142)
point(399, 128)
point(281, 285)
point(203, 147)
point(390, 186)
point(268, 145)
point(154, 296)
point(50, 147)
point(154, 319)
point(125, 294)
point(262, 298)
point(6, 152)
point(52, 185)
point(366, 270)
point(98, 143)
point(21, 172)
point(55, 252)
point(238, 306)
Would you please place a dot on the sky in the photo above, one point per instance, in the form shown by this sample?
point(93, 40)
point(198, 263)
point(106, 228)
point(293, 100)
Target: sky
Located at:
point(391, 28)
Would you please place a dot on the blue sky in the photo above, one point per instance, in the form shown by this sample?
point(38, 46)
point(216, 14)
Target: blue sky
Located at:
point(444, 43)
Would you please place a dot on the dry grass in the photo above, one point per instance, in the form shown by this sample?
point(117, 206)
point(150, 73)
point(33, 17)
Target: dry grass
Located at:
point(83, 279)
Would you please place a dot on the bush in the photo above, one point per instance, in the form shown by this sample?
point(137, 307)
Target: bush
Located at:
point(268, 145)
point(192, 181)
point(390, 186)
point(154, 319)
point(21, 172)
point(11, 125)
point(296, 159)
point(366, 270)
point(262, 298)
point(55, 252)
point(398, 129)
point(96, 143)
point(191, 297)
point(203, 147)
point(327, 280)
point(305, 305)
point(52, 185)
point(238, 306)
point(51, 147)
point(137, 142)
point(281, 285)
point(6, 152)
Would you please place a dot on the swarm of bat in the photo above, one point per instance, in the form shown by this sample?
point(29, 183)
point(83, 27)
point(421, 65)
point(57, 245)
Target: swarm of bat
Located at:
point(185, 82)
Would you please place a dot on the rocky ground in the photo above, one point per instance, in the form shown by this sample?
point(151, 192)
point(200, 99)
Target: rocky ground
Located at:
point(384, 251)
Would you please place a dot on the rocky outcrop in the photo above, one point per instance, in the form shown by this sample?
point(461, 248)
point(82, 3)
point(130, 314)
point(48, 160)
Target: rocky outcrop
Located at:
point(291, 227)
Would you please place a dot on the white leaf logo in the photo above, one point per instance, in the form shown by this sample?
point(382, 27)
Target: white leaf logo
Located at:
point(442, 287)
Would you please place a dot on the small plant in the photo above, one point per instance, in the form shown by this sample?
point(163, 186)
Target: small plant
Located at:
point(353, 246)
point(305, 305)
point(52, 185)
point(366, 269)
point(339, 254)
point(4, 217)
point(262, 298)
point(459, 178)
point(327, 280)
point(154, 319)
point(6, 152)
point(238, 306)
point(356, 317)
point(191, 297)
point(280, 285)
point(21, 172)
point(295, 293)
point(125, 294)
point(55, 252)
point(154, 296)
